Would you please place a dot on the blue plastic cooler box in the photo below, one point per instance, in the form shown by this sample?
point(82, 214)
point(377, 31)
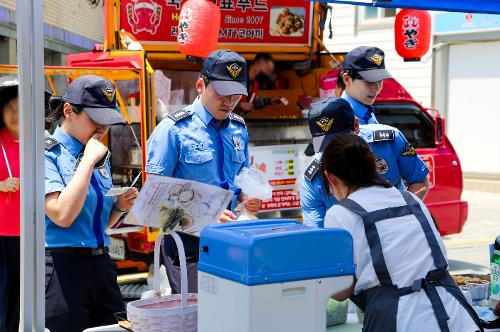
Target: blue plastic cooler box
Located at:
point(270, 275)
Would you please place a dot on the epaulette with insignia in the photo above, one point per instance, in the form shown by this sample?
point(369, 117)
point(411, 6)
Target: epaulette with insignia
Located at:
point(180, 115)
point(383, 135)
point(50, 143)
point(238, 118)
point(409, 151)
point(312, 170)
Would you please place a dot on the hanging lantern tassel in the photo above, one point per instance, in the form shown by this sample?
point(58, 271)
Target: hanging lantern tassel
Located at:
point(412, 33)
point(199, 25)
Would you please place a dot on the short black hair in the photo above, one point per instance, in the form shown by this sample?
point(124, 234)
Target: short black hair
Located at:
point(7, 95)
point(350, 158)
point(205, 79)
point(263, 56)
point(354, 75)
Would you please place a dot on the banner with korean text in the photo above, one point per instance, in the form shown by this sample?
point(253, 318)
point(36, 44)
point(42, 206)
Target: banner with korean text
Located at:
point(243, 22)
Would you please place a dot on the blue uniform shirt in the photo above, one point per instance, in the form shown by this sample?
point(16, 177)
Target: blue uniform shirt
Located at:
point(189, 145)
point(88, 229)
point(396, 161)
point(363, 112)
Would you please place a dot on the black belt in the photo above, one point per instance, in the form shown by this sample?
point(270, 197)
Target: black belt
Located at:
point(77, 251)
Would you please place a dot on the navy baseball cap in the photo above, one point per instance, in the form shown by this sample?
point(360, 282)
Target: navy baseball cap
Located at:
point(97, 97)
point(368, 62)
point(227, 72)
point(327, 118)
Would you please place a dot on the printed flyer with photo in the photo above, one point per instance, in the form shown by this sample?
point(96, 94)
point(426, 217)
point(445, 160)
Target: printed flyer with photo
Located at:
point(179, 205)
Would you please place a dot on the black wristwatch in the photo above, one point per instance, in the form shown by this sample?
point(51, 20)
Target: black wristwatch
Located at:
point(118, 210)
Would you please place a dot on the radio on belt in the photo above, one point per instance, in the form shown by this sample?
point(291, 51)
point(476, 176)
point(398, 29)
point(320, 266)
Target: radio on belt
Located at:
point(270, 275)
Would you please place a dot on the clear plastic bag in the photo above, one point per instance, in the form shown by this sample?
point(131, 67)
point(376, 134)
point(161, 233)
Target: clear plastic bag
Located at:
point(254, 184)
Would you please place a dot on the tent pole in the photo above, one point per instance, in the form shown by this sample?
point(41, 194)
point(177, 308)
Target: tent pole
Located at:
point(30, 58)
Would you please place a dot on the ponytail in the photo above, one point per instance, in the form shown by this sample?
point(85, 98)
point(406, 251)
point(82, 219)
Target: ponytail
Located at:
point(54, 111)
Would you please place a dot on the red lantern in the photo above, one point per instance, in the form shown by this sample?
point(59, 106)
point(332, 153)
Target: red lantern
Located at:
point(199, 25)
point(412, 33)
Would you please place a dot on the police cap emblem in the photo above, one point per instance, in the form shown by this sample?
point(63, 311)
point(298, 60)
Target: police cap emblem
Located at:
point(234, 70)
point(325, 123)
point(377, 59)
point(109, 92)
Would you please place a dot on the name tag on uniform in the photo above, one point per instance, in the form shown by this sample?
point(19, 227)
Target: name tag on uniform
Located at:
point(312, 170)
point(383, 135)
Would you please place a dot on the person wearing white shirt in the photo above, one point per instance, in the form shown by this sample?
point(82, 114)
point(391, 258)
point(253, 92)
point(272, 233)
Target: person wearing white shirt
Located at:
point(402, 281)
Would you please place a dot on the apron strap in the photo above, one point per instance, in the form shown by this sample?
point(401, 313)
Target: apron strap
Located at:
point(459, 296)
point(438, 307)
point(441, 278)
point(437, 254)
point(373, 241)
point(428, 284)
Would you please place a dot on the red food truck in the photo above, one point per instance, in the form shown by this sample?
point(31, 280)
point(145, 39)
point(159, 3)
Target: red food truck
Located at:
point(279, 134)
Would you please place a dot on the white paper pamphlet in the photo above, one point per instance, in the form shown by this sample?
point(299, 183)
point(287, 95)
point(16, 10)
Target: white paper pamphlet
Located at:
point(181, 205)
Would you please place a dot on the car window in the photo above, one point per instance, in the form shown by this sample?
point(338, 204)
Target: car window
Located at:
point(417, 127)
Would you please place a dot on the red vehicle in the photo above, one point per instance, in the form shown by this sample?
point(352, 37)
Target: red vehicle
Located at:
point(425, 130)
point(299, 64)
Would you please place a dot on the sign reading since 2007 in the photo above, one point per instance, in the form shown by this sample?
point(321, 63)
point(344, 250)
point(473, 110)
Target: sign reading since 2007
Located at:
point(243, 22)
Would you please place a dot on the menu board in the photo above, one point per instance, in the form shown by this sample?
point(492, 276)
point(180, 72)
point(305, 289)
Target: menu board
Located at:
point(243, 22)
point(284, 166)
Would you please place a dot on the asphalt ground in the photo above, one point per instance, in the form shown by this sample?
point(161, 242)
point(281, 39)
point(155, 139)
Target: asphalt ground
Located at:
point(468, 252)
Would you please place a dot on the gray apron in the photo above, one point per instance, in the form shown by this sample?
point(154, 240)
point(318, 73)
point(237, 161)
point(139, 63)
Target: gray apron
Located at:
point(380, 303)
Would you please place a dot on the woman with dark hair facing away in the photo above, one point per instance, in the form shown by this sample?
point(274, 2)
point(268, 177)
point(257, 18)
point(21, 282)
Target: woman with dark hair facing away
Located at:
point(80, 277)
point(402, 281)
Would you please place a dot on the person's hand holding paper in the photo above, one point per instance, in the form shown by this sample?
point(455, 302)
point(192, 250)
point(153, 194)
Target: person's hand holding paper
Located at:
point(255, 188)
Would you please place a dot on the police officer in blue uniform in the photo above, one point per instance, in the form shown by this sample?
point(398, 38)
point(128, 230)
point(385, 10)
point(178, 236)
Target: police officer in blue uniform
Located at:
point(207, 143)
point(396, 159)
point(363, 75)
point(80, 277)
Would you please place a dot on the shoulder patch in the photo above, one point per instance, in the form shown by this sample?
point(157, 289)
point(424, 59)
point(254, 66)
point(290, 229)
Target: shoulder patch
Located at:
point(409, 151)
point(312, 170)
point(383, 135)
point(238, 118)
point(50, 143)
point(180, 115)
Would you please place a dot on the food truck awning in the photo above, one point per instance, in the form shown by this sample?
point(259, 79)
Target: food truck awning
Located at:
point(466, 6)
